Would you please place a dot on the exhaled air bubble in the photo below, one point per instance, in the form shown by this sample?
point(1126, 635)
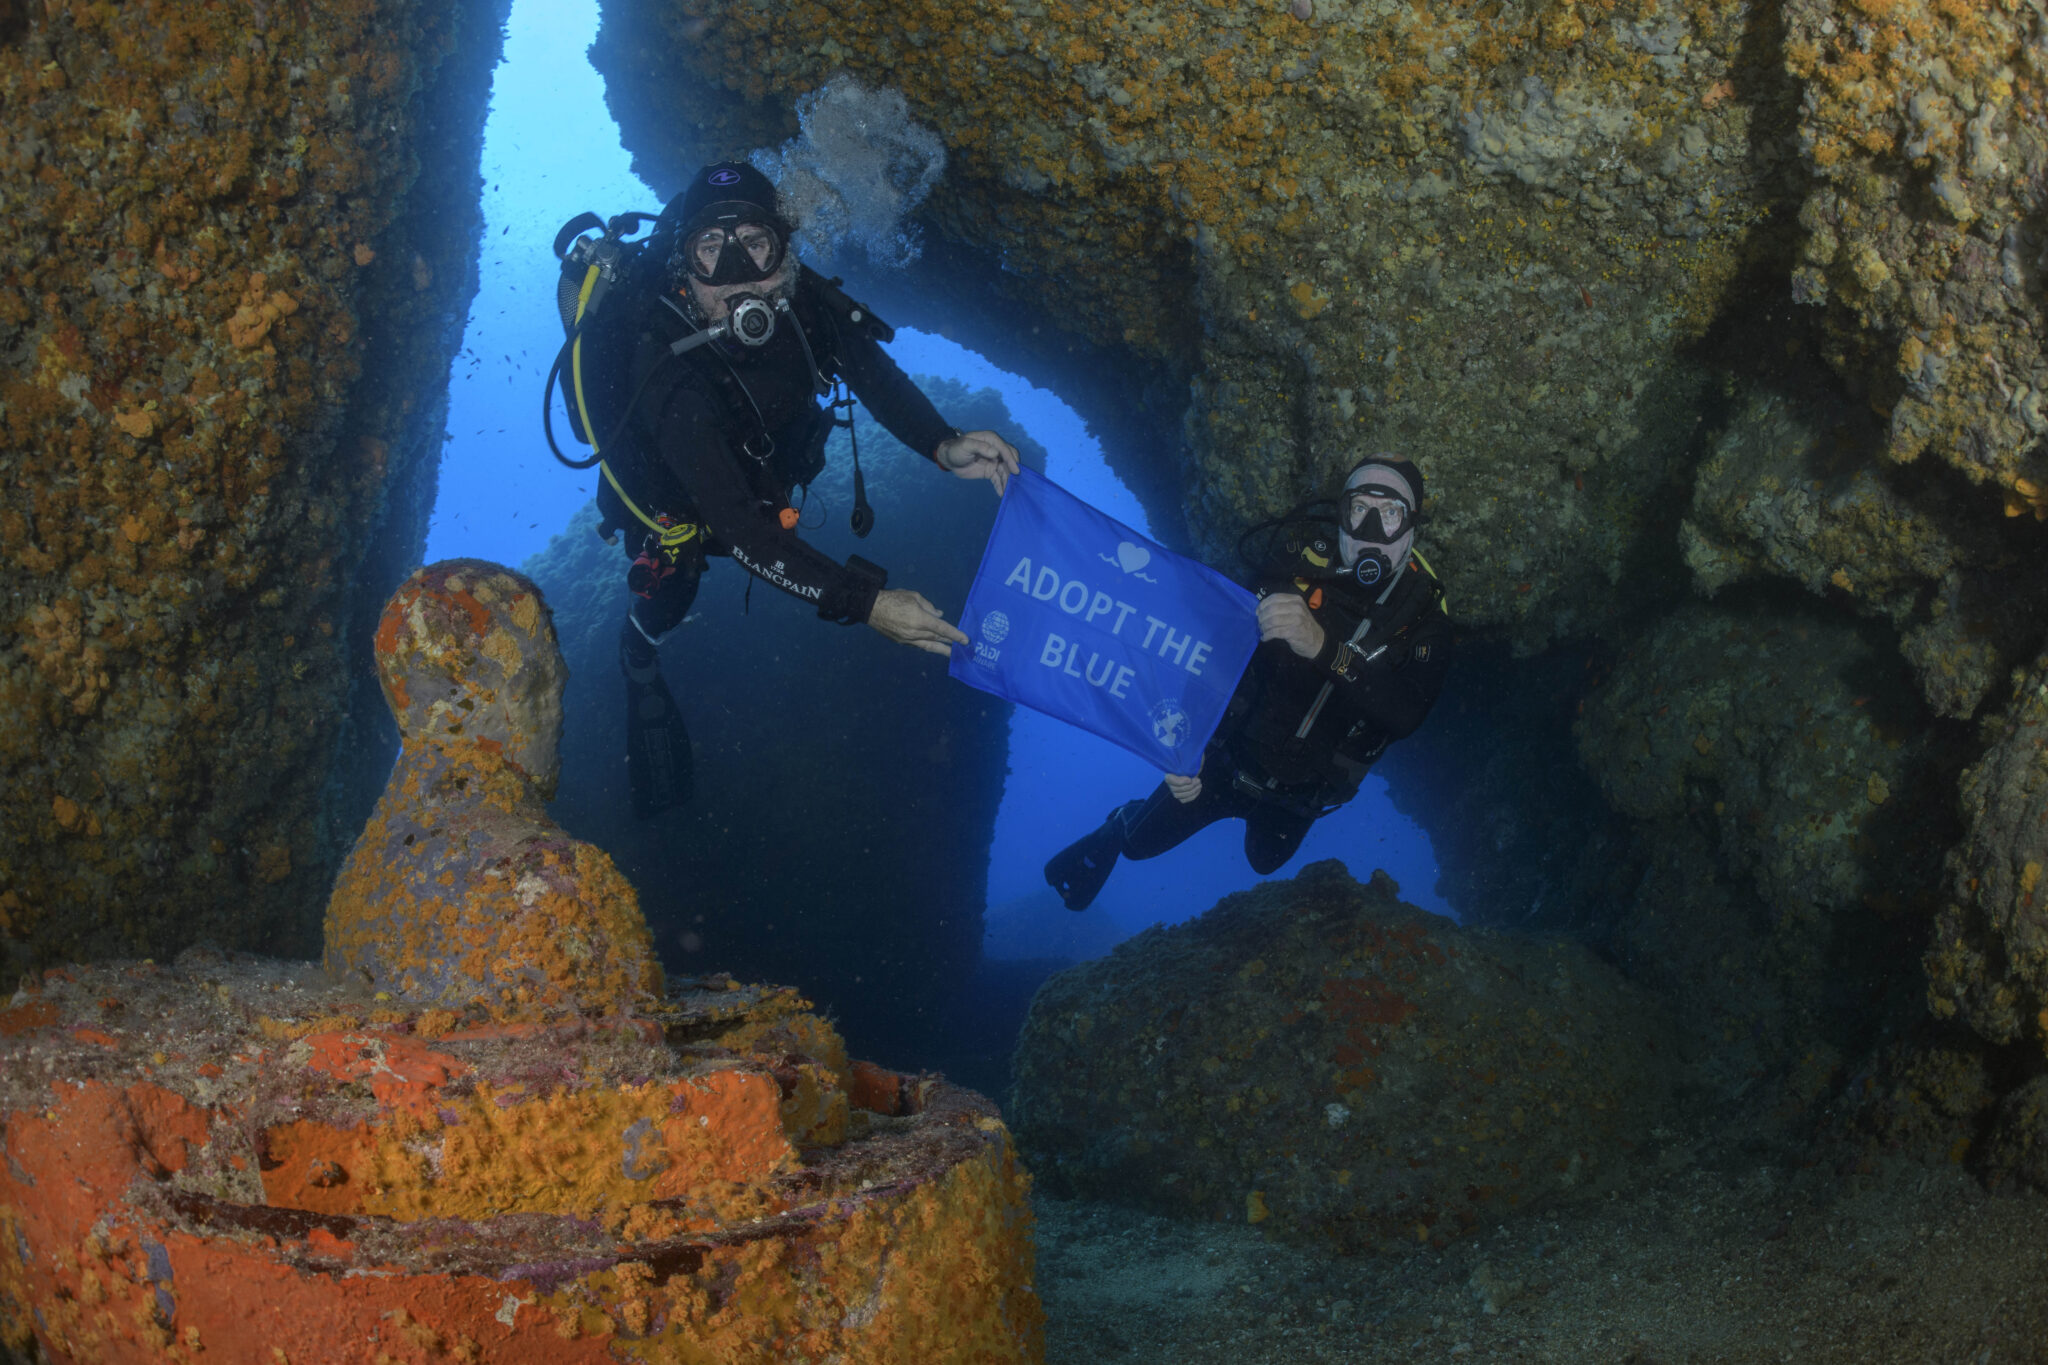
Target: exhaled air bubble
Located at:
point(854, 174)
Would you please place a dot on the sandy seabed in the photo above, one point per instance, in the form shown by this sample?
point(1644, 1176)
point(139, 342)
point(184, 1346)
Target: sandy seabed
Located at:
point(1736, 1263)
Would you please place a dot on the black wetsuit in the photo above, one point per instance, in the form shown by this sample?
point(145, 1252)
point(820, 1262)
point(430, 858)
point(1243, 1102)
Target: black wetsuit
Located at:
point(729, 431)
point(1256, 768)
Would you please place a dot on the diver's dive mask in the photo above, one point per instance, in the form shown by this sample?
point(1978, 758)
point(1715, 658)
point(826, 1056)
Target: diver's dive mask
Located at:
point(1377, 522)
point(734, 252)
point(1376, 514)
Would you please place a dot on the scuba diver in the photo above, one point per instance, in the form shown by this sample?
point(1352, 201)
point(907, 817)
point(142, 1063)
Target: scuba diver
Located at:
point(727, 349)
point(1352, 654)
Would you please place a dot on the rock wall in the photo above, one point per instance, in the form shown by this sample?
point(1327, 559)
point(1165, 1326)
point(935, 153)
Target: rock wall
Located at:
point(1923, 229)
point(237, 247)
point(1988, 958)
point(846, 787)
point(1485, 235)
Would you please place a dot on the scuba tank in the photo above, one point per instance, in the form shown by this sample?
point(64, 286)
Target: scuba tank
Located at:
point(594, 365)
point(592, 269)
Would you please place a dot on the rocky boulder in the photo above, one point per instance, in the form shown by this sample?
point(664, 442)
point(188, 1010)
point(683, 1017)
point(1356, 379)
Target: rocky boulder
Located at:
point(1321, 1058)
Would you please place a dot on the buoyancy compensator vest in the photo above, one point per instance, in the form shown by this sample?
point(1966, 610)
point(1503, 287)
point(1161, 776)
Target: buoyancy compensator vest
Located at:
point(609, 361)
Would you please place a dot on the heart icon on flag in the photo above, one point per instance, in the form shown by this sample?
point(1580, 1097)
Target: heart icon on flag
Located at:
point(1132, 557)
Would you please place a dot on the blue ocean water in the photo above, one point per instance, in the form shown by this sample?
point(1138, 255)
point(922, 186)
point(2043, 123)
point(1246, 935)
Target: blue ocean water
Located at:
point(550, 152)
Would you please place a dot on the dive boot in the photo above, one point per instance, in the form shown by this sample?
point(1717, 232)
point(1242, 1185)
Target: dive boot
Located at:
point(658, 760)
point(1078, 871)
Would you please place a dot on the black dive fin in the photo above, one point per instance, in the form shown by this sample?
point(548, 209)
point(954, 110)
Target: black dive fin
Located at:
point(1078, 871)
point(658, 758)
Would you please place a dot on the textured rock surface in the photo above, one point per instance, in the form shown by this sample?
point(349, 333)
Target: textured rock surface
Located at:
point(1923, 122)
point(1654, 290)
point(1988, 960)
point(1485, 234)
point(236, 249)
point(1785, 734)
point(1786, 491)
point(846, 787)
point(224, 1157)
point(2019, 1141)
point(1796, 807)
point(461, 891)
point(1320, 1058)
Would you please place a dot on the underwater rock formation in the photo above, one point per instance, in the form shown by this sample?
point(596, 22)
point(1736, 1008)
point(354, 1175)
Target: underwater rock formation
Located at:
point(461, 891)
point(1786, 491)
point(225, 1157)
point(237, 248)
point(1988, 959)
point(1787, 736)
point(1795, 810)
point(1667, 297)
point(1486, 235)
point(496, 1137)
point(846, 787)
point(1926, 127)
point(1320, 1058)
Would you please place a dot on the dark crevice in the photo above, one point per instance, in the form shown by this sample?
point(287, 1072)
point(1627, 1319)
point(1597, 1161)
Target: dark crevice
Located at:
point(408, 337)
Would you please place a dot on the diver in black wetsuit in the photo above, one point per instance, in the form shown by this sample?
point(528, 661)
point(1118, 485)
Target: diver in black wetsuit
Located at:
point(732, 425)
point(1352, 655)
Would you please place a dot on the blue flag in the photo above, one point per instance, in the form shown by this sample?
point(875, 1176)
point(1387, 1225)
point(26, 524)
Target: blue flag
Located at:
point(1075, 614)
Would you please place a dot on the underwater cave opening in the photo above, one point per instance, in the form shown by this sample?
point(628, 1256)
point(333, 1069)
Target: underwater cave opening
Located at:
point(552, 150)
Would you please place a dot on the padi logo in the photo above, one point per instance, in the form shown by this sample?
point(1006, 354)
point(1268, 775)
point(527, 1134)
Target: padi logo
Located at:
point(725, 177)
point(995, 627)
point(1170, 724)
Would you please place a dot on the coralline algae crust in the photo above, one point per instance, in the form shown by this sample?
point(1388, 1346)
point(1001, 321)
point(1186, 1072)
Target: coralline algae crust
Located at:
point(227, 302)
point(226, 1157)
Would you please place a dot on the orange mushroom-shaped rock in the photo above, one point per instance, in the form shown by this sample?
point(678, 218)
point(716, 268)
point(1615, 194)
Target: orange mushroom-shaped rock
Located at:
point(461, 892)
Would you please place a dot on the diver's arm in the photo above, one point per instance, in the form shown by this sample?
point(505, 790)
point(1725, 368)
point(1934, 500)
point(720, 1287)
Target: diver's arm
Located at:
point(1395, 697)
point(697, 452)
point(899, 405)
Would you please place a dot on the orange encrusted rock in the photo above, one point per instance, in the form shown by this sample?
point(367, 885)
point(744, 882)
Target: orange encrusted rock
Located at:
point(258, 1166)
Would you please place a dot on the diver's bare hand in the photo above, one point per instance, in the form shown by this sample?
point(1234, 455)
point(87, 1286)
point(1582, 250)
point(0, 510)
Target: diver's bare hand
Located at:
point(978, 455)
point(1285, 617)
point(1184, 789)
point(908, 619)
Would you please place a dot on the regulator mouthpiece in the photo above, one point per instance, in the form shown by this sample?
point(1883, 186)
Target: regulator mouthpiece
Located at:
point(750, 319)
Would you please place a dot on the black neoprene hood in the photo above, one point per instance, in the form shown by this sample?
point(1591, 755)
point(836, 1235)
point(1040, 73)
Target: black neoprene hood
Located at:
point(1404, 468)
point(726, 190)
